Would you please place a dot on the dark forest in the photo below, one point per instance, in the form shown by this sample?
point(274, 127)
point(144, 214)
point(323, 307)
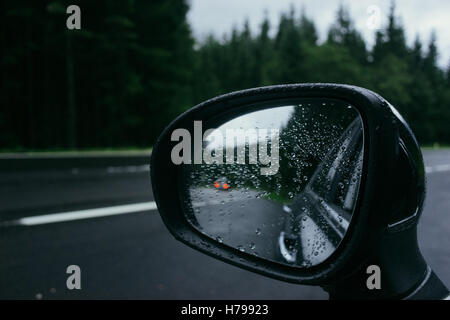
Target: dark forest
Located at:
point(134, 66)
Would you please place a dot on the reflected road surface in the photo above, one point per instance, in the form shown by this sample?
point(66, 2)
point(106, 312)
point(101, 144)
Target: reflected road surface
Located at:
point(240, 220)
point(133, 256)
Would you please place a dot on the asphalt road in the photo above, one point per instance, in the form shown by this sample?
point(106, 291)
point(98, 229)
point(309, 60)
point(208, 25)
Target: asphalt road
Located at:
point(133, 256)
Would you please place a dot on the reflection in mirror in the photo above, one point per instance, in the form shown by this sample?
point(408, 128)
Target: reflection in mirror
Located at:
point(280, 183)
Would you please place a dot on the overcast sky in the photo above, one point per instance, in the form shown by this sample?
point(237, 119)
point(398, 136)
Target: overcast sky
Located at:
point(418, 17)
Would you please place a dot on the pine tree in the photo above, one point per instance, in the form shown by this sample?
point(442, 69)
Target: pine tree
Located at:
point(395, 35)
point(290, 51)
point(343, 33)
point(430, 61)
point(416, 55)
point(264, 54)
point(391, 40)
point(307, 28)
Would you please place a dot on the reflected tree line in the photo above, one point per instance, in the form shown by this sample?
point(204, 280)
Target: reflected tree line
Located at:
point(134, 66)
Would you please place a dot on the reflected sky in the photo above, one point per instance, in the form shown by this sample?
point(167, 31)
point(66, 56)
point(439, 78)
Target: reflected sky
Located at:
point(278, 119)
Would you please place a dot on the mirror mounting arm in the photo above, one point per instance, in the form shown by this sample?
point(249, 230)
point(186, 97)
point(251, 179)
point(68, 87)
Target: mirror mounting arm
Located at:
point(404, 274)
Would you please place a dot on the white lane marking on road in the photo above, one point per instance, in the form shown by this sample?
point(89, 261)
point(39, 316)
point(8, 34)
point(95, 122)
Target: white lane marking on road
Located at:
point(438, 168)
point(143, 168)
point(130, 208)
point(86, 214)
point(113, 170)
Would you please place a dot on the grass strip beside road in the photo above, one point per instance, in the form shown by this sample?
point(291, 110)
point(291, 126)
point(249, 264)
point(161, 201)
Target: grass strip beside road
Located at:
point(76, 153)
point(41, 161)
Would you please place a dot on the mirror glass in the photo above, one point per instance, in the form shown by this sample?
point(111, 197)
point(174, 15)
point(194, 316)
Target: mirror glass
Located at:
point(279, 182)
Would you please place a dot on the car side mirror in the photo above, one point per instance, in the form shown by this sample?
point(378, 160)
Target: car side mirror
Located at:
point(310, 183)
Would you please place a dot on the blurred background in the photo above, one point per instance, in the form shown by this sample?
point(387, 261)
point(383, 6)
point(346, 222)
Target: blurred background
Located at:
point(134, 66)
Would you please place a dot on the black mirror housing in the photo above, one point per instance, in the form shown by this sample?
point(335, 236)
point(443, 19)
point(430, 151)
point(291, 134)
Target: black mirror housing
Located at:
point(381, 224)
